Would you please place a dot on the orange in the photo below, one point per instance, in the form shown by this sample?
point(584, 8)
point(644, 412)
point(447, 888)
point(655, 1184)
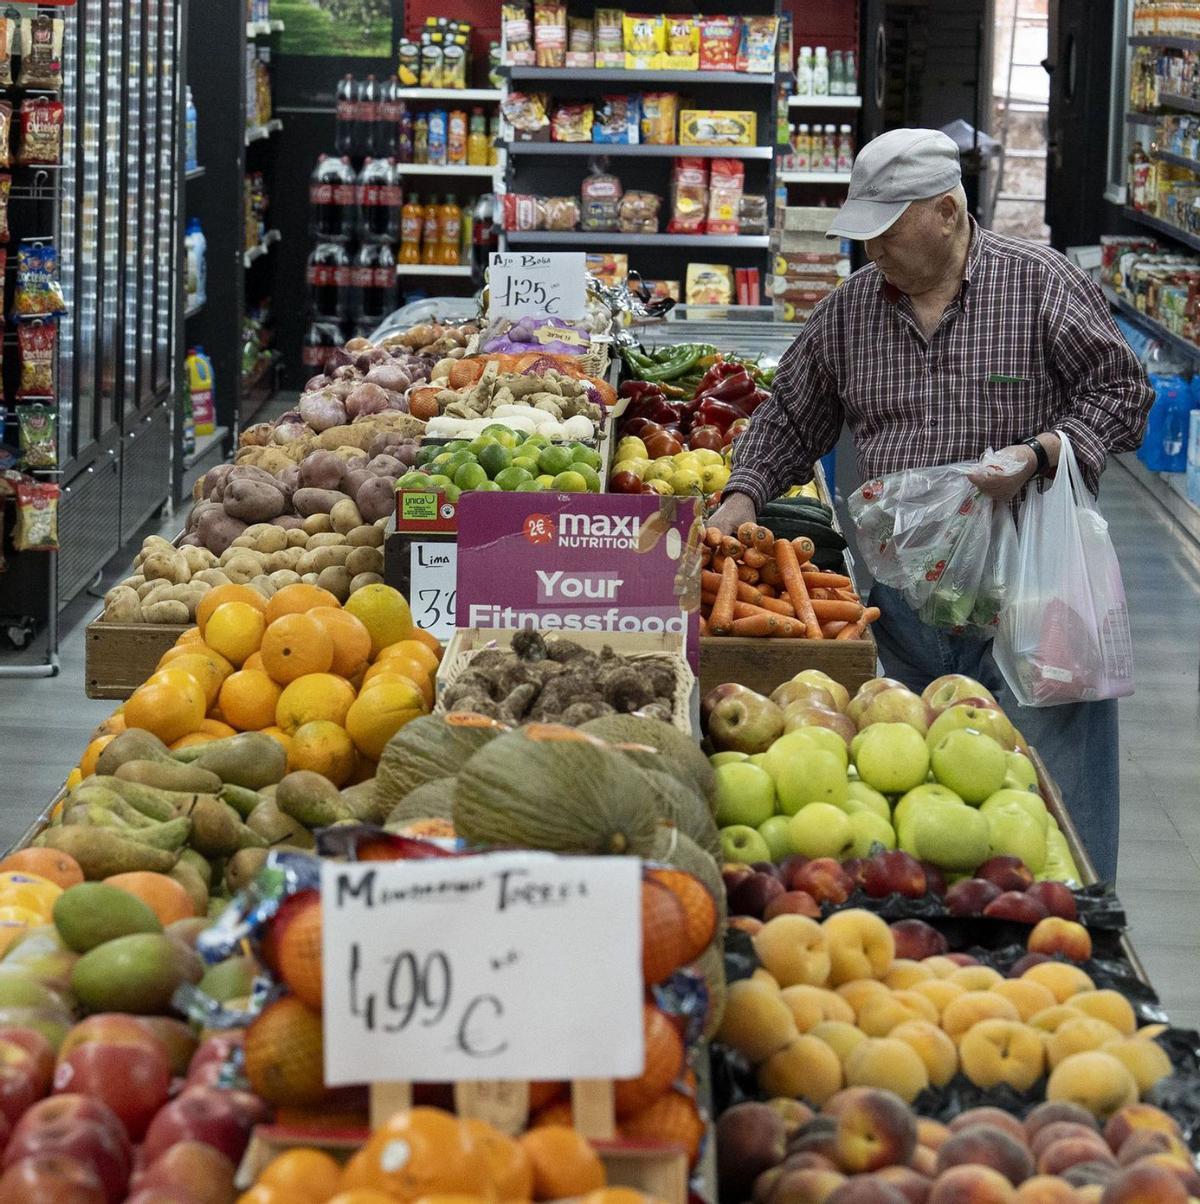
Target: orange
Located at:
point(323, 747)
point(414, 650)
point(192, 738)
point(361, 1195)
point(284, 1054)
point(664, 1062)
point(193, 635)
point(384, 671)
point(564, 1164)
point(620, 1195)
point(235, 629)
point(296, 644)
point(57, 867)
point(169, 709)
point(304, 1173)
point(664, 937)
point(248, 700)
point(183, 680)
point(558, 1113)
point(114, 724)
point(672, 1117)
point(351, 640)
point(384, 612)
point(164, 896)
point(511, 1170)
point(311, 697)
point(253, 661)
point(296, 599)
point(430, 641)
point(206, 666)
point(297, 951)
point(380, 712)
point(699, 907)
point(218, 597)
point(214, 727)
point(91, 754)
point(278, 735)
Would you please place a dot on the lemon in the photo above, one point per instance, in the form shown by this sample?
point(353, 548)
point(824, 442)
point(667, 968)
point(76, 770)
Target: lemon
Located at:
point(384, 612)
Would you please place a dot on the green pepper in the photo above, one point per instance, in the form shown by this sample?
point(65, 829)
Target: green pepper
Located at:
point(684, 359)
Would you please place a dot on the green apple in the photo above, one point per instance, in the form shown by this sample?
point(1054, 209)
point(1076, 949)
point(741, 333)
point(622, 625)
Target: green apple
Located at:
point(817, 677)
point(777, 833)
point(740, 842)
point(821, 830)
point(810, 775)
point(1015, 833)
point(971, 764)
point(726, 758)
point(745, 795)
point(953, 838)
point(802, 740)
point(990, 720)
point(1020, 774)
point(1026, 800)
point(759, 759)
point(868, 830)
point(928, 794)
point(891, 757)
point(863, 798)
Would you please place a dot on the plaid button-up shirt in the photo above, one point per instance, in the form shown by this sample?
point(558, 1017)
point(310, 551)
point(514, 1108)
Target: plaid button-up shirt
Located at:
point(1028, 345)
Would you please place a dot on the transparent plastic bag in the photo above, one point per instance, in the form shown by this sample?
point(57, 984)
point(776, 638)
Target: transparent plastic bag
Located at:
point(1065, 635)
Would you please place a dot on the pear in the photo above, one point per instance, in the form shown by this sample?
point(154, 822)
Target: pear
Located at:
point(169, 775)
point(158, 805)
point(276, 828)
point(248, 759)
point(102, 852)
point(312, 799)
point(134, 744)
point(217, 831)
point(199, 863)
point(189, 878)
point(243, 867)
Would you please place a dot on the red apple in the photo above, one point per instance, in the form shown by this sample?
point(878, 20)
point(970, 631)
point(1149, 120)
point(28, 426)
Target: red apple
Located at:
point(662, 444)
point(19, 1088)
point(917, 940)
point(39, 1049)
point(894, 873)
point(793, 902)
point(72, 1109)
point(1016, 906)
point(706, 436)
point(191, 1167)
point(134, 1080)
point(88, 1141)
point(1008, 873)
point(252, 1110)
point(199, 1114)
point(215, 1051)
point(111, 1028)
point(626, 482)
point(52, 1179)
point(1056, 898)
point(970, 896)
point(825, 880)
point(177, 1039)
point(735, 428)
point(641, 427)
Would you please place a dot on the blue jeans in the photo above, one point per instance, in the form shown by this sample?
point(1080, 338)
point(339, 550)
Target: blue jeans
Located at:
point(1077, 741)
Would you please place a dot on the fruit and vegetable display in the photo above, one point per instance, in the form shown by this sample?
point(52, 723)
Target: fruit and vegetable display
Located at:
point(688, 370)
point(759, 584)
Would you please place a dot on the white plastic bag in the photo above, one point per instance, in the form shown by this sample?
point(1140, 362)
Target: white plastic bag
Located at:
point(1065, 635)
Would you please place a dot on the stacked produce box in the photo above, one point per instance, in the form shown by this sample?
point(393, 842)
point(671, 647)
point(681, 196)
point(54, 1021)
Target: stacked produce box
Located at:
point(807, 265)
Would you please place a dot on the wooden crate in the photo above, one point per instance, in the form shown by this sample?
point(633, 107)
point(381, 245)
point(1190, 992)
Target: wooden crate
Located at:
point(120, 656)
point(764, 664)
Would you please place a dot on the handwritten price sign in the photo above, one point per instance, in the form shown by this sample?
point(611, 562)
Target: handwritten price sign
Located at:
point(433, 572)
point(505, 966)
point(551, 283)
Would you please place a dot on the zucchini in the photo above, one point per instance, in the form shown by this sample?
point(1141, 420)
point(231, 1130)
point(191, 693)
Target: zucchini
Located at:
point(822, 534)
point(798, 508)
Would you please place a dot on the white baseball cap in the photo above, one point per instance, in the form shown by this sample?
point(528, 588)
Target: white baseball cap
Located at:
point(891, 172)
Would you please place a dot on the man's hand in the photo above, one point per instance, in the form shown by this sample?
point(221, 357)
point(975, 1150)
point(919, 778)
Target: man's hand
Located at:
point(1003, 475)
point(736, 509)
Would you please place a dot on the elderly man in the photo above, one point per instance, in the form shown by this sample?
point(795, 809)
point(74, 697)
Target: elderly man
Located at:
point(954, 340)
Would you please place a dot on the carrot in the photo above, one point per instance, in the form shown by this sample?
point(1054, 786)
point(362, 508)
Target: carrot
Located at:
point(826, 610)
point(779, 605)
point(846, 595)
point(819, 595)
point(768, 625)
point(713, 536)
point(830, 630)
point(745, 533)
point(706, 555)
point(787, 558)
point(771, 575)
point(813, 576)
point(804, 548)
point(721, 619)
point(732, 547)
point(746, 573)
point(767, 591)
point(754, 558)
point(711, 581)
point(743, 610)
point(854, 631)
point(764, 540)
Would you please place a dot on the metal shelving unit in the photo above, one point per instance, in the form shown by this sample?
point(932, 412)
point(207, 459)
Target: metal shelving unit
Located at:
point(582, 237)
point(1152, 325)
point(1165, 41)
point(825, 102)
point(635, 79)
point(1154, 223)
point(269, 240)
point(477, 94)
point(640, 150)
point(196, 173)
point(814, 177)
point(257, 133)
point(1178, 160)
point(433, 269)
point(205, 444)
point(449, 169)
point(1173, 100)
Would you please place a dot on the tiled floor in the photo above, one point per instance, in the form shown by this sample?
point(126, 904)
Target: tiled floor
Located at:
point(45, 724)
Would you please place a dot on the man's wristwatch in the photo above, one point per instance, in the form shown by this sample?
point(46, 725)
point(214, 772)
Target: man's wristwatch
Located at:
point(1043, 460)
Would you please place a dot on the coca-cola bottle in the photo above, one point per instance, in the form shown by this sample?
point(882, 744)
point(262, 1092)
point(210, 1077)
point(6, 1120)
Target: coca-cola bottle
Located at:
point(375, 283)
point(320, 340)
point(343, 139)
point(485, 237)
point(330, 282)
point(366, 115)
point(387, 130)
point(333, 200)
point(379, 201)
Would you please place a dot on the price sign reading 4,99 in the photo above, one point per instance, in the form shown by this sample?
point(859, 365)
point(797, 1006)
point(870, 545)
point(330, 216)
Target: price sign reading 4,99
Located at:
point(503, 966)
point(528, 285)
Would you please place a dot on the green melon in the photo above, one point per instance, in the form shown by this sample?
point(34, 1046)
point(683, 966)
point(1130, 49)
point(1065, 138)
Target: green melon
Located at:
point(677, 753)
point(431, 800)
point(679, 805)
point(563, 795)
point(423, 750)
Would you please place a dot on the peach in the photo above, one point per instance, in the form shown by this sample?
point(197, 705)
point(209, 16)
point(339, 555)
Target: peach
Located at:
point(1051, 1019)
point(1055, 1112)
point(1061, 979)
point(922, 1005)
point(1002, 1051)
point(924, 1161)
point(972, 1185)
point(805, 1069)
point(1110, 1006)
point(1063, 1130)
point(1134, 1119)
point(750, 1140)
point(839, 1036)
point(932, 1133)
point(860, 945)
point(995, 1118)
point(1147, 1061)
point(1066, 937)
point(882, 1013)
point(806, 1186)
point(1187, 1175)
point(888, 1063)
point(986, 1145)
point(850, 1097)
point(750, 925)
point(792, 1112)
point(1061, 1155)
point(867, 1189)
point(832, 1005)
point(859, 990)
point(1150, 1031)
point(912, 1185)
point(932, 1046)
point(905, 973)
point(1046, 1189)
point(1078, 1036)
point(1090, 1193)
point(766, 977)
point(941, 967)
point(1094, 1080)
point(875, 1129)
point(1026, 996)
point(756, 1022)
point(1152, 1141)
point(939, 991)
point(809, 1159)
point(818, 1137)
point(1145, 1185)
point(793, 948)
point(970, 1008)
point(805, 1006)
point(976, 978)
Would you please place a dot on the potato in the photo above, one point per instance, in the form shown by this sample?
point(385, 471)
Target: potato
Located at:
point(353, 481)
point(289, 522)
point(336, 580)
point(152, 544)
point(366, 536)
point(133, 582)
point(213, 478)
point(196, 513)
point(326, 539)
point(376, 498)
point(264, 585)
point(288, 478)
point(213, 577)
point(315, 524)
point(322, 558)
point(320, 470)
point(282, 577)
point(345, 517)
point(287, 559)
point(165, 612)
point(218, 530)
point(269, 539)
point(363, 580)
point(274, 460)
point(386, 466)
point(243, 568)
point(122, 605)
point(166, 567)
point(198, 559)
point(364, 560)
point(309, 578)
point(252, 500)
point(316, 501)
point(298, 537)
point(359, 435)
point(148, 587)
point(231, 551)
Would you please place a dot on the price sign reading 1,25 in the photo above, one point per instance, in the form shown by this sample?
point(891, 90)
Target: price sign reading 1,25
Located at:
point(504, 966)
point(527, 285)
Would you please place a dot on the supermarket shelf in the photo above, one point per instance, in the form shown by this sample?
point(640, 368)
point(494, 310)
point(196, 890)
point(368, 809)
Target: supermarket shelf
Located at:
point(271, 238)
point(196, 173)
point(1154, 223)
point(434, 269)
point(1170, 100)
point(580, 238)
point(1169, 490)
point(1178, 160)
point(449, 94)
point(1147, 323)
point(814, 177)
point(205, 444)
point(192, 311)
point(260, 29)
point(1165, 41)
point(825, 102)
point(614, 75)
point(256, 133)
point(447, 169)
point(639, 150)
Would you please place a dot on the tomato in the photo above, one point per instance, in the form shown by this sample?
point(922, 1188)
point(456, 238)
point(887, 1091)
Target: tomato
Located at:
point(663, 444)
point(626, 482)
point(708, 436)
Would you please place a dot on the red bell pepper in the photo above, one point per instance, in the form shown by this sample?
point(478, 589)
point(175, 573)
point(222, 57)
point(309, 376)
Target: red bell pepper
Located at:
point(639, 388)
point(714, 412)
point(715, 374)
point(733, 388)
point(750, 404)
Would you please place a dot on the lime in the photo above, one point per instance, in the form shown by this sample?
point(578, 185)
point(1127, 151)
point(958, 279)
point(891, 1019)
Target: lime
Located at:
point(452, 492)
point(530, 486)
point(413, 480)
point(470, 476)
point(502, 435)
point(488, 487)
point(439, 481)
point(554, 459)
point(589, 474)
point(586, 455)
point(512, 476)
point(441, 459)
point(571, 482)
point(495, 458)
point(457, 445)
point(426, 454)
point(535, 441)
point(479, 443)
point(545, 480)
point(457, 460)
point(528, 463)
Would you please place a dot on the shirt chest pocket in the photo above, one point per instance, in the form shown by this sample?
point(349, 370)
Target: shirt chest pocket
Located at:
point(1010, 407)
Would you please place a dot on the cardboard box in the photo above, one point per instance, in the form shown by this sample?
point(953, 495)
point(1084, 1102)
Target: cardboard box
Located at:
point(816, 263)
point(762, 665)
point(802, 289)
point(119, 657)
point(718, 127)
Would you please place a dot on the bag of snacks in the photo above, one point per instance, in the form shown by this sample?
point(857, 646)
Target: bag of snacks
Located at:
point(37, 516)
point(581, 42)
point(719, 43)
point(526, 113)
point(549, 33)
point(725, 186)
point(645, 40)
point(637, 213)
point(39, 444)
point(516, 34)
point(8, 47)
point(756, 47)
point(572, 123)
point(41, 131)
point(41, 52)
point(39, 293)
point(524, 212)
point(752, 214)
point(617, 120)
point(6, 114)
point(689, 196)
point(5, 189)
point(683, 44)
point(660, 111)
point(600, 199)
point(609, 37)
point(709, 284)
point(36, 341)
point(560, 213)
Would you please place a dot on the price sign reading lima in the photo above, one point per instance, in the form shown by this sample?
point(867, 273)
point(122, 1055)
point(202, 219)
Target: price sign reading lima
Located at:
point(528, 285)
point(501, 966)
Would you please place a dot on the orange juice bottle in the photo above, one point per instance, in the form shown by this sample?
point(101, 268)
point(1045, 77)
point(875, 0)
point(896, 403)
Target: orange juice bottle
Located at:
point(431, 232)
point(450, 232)
point(412, 219)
